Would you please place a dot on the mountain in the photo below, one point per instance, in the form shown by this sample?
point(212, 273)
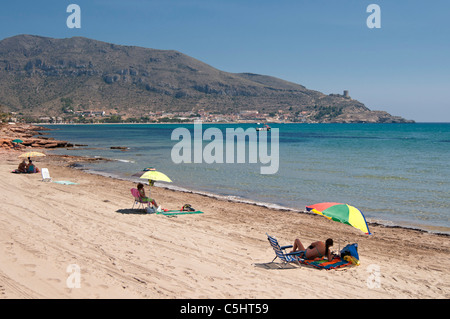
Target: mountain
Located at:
point(46, 76)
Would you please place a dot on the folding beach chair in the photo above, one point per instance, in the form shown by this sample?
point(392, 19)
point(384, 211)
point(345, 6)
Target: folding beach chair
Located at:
point(138, 199)
point(46, 175)
point(280, 252)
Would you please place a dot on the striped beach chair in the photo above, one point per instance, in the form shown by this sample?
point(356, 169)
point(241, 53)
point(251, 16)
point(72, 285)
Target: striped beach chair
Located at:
point(280, 252)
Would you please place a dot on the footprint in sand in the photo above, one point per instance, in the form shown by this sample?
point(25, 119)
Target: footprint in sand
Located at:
point(31, 268)
point(9, 249)
point(55, 280)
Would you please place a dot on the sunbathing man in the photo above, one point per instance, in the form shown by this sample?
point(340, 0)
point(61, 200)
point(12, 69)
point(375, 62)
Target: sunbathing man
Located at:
point(316, 249)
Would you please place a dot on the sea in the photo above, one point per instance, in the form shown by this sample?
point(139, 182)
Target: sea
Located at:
point(396, 174)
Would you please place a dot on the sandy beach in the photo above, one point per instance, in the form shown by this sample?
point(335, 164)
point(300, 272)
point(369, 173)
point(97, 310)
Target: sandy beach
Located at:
point(46, 227)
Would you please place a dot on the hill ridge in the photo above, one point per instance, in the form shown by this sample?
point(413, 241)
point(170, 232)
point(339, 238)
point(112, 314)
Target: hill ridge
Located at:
point(41, 75)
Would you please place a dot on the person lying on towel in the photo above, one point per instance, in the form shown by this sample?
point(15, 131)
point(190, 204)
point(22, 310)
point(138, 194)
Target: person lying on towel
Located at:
point(316, 249)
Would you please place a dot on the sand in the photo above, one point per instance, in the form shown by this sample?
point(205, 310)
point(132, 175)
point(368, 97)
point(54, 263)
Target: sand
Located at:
point(46, 227)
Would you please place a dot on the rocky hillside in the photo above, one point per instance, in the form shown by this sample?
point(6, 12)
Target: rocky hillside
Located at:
point(46, 76)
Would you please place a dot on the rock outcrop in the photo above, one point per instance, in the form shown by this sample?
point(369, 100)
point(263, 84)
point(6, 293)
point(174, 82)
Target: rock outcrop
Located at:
point(27, 133)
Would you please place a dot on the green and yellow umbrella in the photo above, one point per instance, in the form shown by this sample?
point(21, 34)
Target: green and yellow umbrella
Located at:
point(342, 213)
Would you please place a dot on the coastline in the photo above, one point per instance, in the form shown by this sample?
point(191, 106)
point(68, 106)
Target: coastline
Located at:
point(249, 122)
point(36, 128)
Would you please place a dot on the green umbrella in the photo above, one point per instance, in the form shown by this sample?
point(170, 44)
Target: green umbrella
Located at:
point(17, 141)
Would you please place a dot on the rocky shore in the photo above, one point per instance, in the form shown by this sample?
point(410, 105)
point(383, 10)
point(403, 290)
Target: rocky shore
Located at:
point(30, 135)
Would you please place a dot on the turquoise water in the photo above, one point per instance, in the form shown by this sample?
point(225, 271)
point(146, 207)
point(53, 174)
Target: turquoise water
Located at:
point(396, 174)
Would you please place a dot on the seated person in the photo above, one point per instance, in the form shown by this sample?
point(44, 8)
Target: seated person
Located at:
point(31, 168)
point(22, 167)
point(17, 146)
point(316, 249)
point(144, 198)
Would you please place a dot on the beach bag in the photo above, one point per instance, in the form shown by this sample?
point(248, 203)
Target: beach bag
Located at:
point(187, 208)
point(350, 250)
point(149, 210)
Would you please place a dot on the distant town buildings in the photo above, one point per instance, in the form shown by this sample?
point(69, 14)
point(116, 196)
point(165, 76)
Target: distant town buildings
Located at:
point(296, 114)
point(244, 116)
point(90, 113)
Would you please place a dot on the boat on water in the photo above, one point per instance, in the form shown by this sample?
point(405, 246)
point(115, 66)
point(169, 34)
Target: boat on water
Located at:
point(263, 128)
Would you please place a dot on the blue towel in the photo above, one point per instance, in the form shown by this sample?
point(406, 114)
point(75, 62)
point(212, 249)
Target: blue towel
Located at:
point(65, 182)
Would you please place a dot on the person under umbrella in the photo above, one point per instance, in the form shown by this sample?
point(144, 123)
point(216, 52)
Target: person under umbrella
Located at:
point(152, 175)
point(31, 168)
point(22, 167)
point(17, 144)
point(144, 197)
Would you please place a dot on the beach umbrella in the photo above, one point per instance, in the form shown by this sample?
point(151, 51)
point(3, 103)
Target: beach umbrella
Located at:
point(342, 213)
point(17, 140)
point(32, 154)
point(156, 176)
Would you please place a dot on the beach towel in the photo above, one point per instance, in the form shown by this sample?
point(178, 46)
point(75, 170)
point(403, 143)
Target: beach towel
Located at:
point(65, 182)
point(322, 263)
point(178, 212)
point(16, 171)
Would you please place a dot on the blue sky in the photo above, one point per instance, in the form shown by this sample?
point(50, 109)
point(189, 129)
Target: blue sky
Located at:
point(402, 67)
